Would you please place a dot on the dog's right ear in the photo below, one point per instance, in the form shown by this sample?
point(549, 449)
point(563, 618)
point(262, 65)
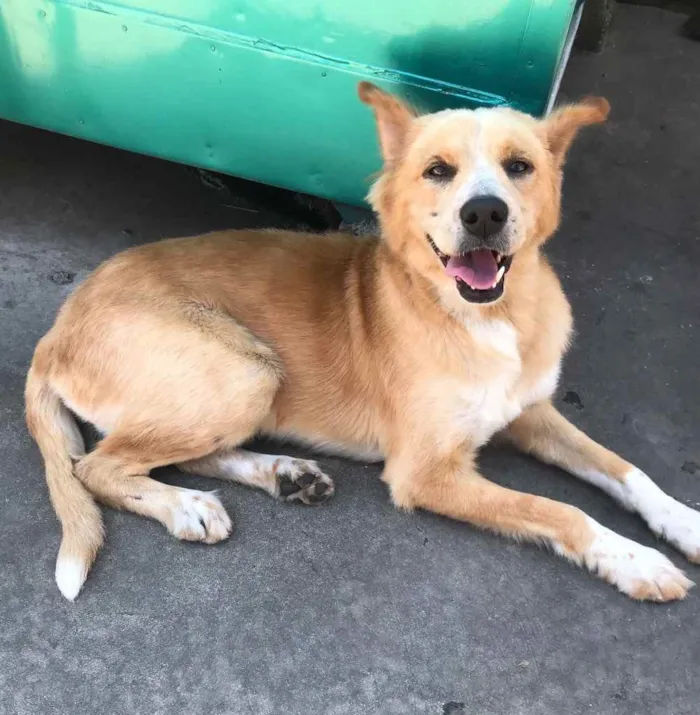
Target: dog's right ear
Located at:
point(393, 119)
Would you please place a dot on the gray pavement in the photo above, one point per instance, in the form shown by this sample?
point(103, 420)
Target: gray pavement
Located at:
point(355, 608)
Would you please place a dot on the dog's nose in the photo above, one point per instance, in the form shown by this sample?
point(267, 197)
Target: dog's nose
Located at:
point(483, 216)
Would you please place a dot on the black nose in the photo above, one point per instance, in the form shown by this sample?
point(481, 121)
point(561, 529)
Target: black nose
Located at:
point(483, 216)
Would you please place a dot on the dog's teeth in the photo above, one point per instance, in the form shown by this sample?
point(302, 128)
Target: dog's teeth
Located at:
point(500, 273)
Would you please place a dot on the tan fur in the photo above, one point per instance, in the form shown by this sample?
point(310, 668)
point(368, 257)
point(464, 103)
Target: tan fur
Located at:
point(60, 442)
point(543, 432)
point(181, 350)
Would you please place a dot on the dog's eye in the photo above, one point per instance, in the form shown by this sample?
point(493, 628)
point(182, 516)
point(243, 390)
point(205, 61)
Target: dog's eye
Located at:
point(440, 171)
point(517, 167)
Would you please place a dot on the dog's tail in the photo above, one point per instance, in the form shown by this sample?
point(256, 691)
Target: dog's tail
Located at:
point(59, 439)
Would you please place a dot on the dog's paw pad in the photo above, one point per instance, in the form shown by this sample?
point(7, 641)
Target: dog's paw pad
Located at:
point(304, 482)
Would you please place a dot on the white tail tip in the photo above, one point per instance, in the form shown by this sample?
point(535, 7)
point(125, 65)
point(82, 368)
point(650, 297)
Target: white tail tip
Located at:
point(70, 576)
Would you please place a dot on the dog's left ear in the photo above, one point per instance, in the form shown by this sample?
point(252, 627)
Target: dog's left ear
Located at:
point(393, 119)
point(562, 126)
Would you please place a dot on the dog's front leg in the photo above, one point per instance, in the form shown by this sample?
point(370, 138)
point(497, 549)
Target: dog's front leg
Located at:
point(542, 431)
point(451, 486)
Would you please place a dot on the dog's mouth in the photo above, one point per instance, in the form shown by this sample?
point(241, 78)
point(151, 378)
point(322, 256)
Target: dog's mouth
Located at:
point(480, 275)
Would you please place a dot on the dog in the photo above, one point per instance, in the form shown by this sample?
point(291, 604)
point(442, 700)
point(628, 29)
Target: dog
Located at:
point(414, 348)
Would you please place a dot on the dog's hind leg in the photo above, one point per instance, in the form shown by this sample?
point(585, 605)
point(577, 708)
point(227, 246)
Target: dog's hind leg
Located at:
point(548, 435)
point(286, 478)
point(188, 514)
point(226, 398)
point(188, 384)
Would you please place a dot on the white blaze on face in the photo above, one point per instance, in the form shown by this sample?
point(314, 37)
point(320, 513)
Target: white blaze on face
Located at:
point(484, 177)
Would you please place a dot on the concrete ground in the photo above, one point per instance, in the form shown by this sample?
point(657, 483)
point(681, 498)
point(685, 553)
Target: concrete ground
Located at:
point(357, 609)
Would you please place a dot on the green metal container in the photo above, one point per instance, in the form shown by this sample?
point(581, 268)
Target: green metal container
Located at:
point(266, 89)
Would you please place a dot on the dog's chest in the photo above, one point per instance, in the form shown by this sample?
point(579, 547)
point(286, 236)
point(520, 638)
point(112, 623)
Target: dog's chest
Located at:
point(491, 391)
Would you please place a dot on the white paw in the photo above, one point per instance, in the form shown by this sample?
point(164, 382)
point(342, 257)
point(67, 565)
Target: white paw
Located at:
point(638, 571)
point(666, 517)
point(199, 516)
point(678, 524)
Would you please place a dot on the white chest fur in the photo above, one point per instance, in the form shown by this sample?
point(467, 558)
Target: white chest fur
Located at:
point(494, 389)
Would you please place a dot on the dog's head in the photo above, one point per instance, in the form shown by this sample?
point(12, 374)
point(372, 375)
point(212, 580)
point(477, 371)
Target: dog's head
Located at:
point(462, 192)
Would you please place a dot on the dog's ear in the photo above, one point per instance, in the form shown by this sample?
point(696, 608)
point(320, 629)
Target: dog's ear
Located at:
point(393, 119)
point(564, 123)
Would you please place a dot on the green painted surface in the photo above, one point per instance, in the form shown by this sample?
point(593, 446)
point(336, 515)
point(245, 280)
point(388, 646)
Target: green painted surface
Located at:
point(266, 89)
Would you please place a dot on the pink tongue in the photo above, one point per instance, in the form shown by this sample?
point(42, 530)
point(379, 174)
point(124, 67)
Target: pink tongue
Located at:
point(477, 269)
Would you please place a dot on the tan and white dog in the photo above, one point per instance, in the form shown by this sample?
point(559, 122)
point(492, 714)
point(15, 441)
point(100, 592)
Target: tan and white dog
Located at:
point(414, 348)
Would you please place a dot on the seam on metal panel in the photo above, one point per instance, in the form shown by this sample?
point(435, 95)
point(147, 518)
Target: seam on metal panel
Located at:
point(261, 45)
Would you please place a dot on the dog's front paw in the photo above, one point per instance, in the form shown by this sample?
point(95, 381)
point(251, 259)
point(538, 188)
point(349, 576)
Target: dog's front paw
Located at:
point(679, 525)
point(302, 481)
point(642, 573)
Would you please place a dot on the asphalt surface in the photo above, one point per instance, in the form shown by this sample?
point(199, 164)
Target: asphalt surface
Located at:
point(355, 608)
